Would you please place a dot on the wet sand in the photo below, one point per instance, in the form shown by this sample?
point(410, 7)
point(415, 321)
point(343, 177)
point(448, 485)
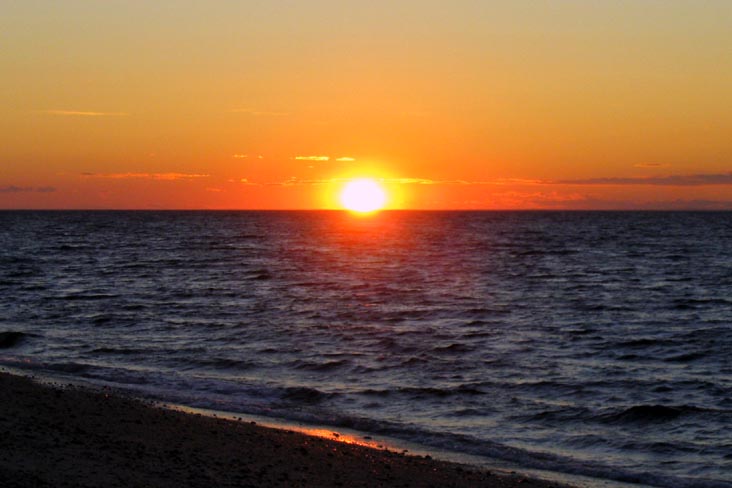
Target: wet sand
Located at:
point(65, 436)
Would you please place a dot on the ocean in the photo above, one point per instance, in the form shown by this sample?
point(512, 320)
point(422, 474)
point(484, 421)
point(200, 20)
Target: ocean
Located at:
point(588, 343)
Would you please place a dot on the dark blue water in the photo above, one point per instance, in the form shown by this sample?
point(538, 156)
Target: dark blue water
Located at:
point(596, 343)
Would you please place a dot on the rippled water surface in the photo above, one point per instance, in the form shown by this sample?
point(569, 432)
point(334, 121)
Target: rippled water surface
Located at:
point(590, 343)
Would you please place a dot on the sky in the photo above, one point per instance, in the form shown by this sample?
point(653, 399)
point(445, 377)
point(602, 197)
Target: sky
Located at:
point(466, 104)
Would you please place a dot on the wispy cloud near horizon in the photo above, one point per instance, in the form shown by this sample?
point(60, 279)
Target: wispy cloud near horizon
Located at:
point(245, 181)
point(342, 159)
point(492, 182)
point(413, 181)
point(248, 156)
point(312, 158)
point(402, 181)
point(27, 189)
point(674, 180)
point(670, 180)
point(149, 176)
point(649, 165)
point(82, 113)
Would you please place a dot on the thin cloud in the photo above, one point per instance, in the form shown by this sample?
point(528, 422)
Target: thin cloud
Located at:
point(149, 176)
point(413, 181)
point(692, 180)
point(590, 203)
point(14, 189)
point(294, 181)
point(245, 181)
point(247, 156)
point(493, 182)
point(81, 113)
point(26, 189)
point(535, 199)
point(512, 181)
point(649, 165)
point(671, 180)
point(343, 159)
point(312, 158)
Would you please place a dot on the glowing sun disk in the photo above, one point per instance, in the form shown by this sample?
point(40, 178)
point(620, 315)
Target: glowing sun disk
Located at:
point(363, 195)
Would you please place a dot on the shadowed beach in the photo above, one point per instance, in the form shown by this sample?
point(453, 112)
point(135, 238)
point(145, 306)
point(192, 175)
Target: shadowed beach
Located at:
point(70, 436)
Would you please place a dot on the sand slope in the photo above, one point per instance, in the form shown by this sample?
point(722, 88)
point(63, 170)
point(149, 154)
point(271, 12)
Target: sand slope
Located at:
point(64, 437)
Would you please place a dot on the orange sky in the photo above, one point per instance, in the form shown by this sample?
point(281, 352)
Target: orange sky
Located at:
point(268, 105)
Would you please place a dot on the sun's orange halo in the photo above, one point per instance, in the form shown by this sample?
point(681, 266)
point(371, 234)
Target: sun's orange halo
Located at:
point(363, 195)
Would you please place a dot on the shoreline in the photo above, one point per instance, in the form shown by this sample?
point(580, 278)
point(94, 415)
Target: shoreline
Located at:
point(69, 436)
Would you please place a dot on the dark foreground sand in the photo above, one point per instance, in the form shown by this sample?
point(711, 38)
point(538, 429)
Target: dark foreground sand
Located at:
point(63, 437)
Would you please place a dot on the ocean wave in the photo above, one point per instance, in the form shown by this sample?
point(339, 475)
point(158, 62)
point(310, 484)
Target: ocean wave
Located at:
point(304, 395)
point(259, 275)
point(119, 350)
point(12, 338)
point(572, 415)
point(425, 392)
point(85, 296)
point(644, 342)
point(454, 348)
point(653, 414)
point(220, 362)
point(23, 363)
point(427, 319)
point(320, 366)
point(686, 357)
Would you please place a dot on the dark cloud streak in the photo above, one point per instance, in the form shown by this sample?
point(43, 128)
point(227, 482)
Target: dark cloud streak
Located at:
point(671, 180)
point(26, 189)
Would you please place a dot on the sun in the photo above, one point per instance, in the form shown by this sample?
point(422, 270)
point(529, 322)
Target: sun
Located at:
point(363, 195)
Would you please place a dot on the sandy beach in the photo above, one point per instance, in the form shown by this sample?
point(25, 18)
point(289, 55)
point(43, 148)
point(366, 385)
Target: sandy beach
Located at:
point(64, 436)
